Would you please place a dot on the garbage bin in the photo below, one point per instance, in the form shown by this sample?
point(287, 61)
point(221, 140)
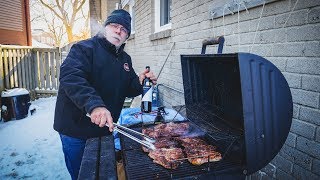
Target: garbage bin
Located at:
point(15, 104)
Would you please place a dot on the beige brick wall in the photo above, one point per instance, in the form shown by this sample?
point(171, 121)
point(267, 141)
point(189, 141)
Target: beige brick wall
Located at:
point(293, 48)
point(109, 6)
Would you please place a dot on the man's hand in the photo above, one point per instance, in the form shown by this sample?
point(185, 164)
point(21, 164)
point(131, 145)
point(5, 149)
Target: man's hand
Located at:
point(101, 116)
point(149, 74)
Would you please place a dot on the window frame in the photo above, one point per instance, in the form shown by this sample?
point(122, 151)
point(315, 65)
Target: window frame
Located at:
point(131, 10)
point(157, 15)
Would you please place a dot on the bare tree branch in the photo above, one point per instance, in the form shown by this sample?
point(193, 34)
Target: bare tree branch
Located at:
point(51, 9)
point(80, 6)
point(66, 12)
point(55, 31)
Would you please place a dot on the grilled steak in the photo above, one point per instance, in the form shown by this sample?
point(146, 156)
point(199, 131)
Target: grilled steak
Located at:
point(191, 141)
point(169, 139)
point(167, 157)
point(199, 152)
point(177, 129)
point(167, 130)
point(151, 132)
point(162, 143)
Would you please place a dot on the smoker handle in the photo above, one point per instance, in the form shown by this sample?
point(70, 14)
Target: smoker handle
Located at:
point(211, 41)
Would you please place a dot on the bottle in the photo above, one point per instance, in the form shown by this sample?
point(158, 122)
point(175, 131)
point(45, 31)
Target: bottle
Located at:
point(146, 100)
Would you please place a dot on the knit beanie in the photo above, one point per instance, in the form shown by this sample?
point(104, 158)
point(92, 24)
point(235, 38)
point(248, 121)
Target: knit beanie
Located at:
point(122, 17)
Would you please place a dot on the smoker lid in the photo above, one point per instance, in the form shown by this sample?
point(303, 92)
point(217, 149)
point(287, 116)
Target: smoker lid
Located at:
point(262, 110)
point(267, 109)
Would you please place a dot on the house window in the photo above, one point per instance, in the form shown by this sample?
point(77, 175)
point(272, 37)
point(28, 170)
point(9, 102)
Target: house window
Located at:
point(162, 15)
point(129, 6)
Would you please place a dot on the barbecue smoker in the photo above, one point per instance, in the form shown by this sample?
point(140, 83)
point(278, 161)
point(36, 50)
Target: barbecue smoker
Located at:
point(242, 104)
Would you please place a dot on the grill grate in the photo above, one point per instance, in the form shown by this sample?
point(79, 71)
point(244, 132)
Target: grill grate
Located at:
point(138, 165)
point(208, 121)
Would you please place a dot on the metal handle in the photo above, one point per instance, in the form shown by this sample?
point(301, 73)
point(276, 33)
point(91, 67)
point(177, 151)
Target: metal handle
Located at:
point(147, 143)
point(212, 41)
point(149, 139)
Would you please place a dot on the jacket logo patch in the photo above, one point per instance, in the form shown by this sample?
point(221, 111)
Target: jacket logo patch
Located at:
point(126, 67)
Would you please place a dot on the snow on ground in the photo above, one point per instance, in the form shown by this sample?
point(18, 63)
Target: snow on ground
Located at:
point(30, 148)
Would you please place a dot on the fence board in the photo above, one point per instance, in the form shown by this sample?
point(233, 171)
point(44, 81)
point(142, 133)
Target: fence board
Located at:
point(53, 71)
point(35, 66)
point(41, 68)
point(58, 60)
point(45, 49)
point(29, 70)
point(6, 70)
point(15, 69)
point(28, 61)
point(47, 68)
point(26, 71)
point(19, 66)
point(23, 68)
point(11, 80)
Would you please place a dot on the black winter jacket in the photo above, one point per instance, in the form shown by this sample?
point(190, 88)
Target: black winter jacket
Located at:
point(93, 75)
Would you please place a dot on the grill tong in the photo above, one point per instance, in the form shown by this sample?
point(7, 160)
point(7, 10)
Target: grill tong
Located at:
point(148, 141)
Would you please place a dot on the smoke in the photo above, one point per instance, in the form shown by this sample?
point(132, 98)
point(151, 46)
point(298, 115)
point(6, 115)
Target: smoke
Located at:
point(96, 27)
point(194, 132)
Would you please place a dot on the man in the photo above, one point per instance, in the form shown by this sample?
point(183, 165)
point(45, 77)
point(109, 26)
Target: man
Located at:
point(95, 79)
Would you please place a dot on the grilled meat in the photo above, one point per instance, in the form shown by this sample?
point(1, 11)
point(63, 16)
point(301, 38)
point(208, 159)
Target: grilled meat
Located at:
point(167, 157)
point(202, 153)
point(198, 151)
point(177, 129)
point(191, 141)
point(151, 132)
point(169, 137)
point(167, 130)
point(162, 143)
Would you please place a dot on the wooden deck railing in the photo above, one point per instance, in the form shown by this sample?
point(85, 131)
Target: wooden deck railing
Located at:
point(36, 69)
